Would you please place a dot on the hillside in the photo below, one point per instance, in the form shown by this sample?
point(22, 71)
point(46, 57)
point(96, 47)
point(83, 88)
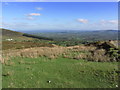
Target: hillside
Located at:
point(6, 32)
point(14, 35)
point(17, 36)
point(17, 40)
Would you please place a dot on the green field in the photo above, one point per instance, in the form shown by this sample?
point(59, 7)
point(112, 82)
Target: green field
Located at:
point(62, 72)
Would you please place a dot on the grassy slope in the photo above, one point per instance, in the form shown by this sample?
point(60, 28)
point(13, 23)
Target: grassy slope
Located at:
point(19, 41)
point(62, 72)
point(18, 36)
point(6, 34)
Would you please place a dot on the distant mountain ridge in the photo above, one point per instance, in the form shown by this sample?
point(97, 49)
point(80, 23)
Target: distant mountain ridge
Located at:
point(94, 35)
point(66, 31)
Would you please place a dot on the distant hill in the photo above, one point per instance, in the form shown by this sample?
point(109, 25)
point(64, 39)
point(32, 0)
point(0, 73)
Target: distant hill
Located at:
point(94, 35)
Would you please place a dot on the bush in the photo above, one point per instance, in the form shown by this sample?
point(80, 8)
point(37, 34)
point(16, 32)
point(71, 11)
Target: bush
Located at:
point(114, 54)
point(98, 56)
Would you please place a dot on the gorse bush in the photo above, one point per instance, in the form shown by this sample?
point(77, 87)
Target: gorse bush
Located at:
point(98, 56)
point(114, 54)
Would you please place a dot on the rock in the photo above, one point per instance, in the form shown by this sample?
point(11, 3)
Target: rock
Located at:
point(49, 81)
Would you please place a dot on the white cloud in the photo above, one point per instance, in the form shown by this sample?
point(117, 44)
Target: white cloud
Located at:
point(15, 25)
point(30, 18)
point(109, 21)
point(24, 18)
point(113, 21)
point(39, 8)
point(34, 14)
point(98, 25)
point(82, 20)
point(105, 25)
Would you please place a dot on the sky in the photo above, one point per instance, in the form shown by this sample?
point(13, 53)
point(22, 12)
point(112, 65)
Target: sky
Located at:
point(59, 0)
point(26, 16)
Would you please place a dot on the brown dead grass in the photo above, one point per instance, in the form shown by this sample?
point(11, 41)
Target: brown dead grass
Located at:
point(82, 48)
point(50, 52)
point(98, 56)
point(90, 53)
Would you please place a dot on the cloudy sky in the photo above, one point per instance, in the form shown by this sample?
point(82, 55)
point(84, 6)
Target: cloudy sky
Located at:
point(59, 15)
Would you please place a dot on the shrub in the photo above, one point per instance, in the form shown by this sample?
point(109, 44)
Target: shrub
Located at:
point(98, 56)
point(114, 54)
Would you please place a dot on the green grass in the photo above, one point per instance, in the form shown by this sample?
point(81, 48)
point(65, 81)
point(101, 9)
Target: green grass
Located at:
point(62, 72)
